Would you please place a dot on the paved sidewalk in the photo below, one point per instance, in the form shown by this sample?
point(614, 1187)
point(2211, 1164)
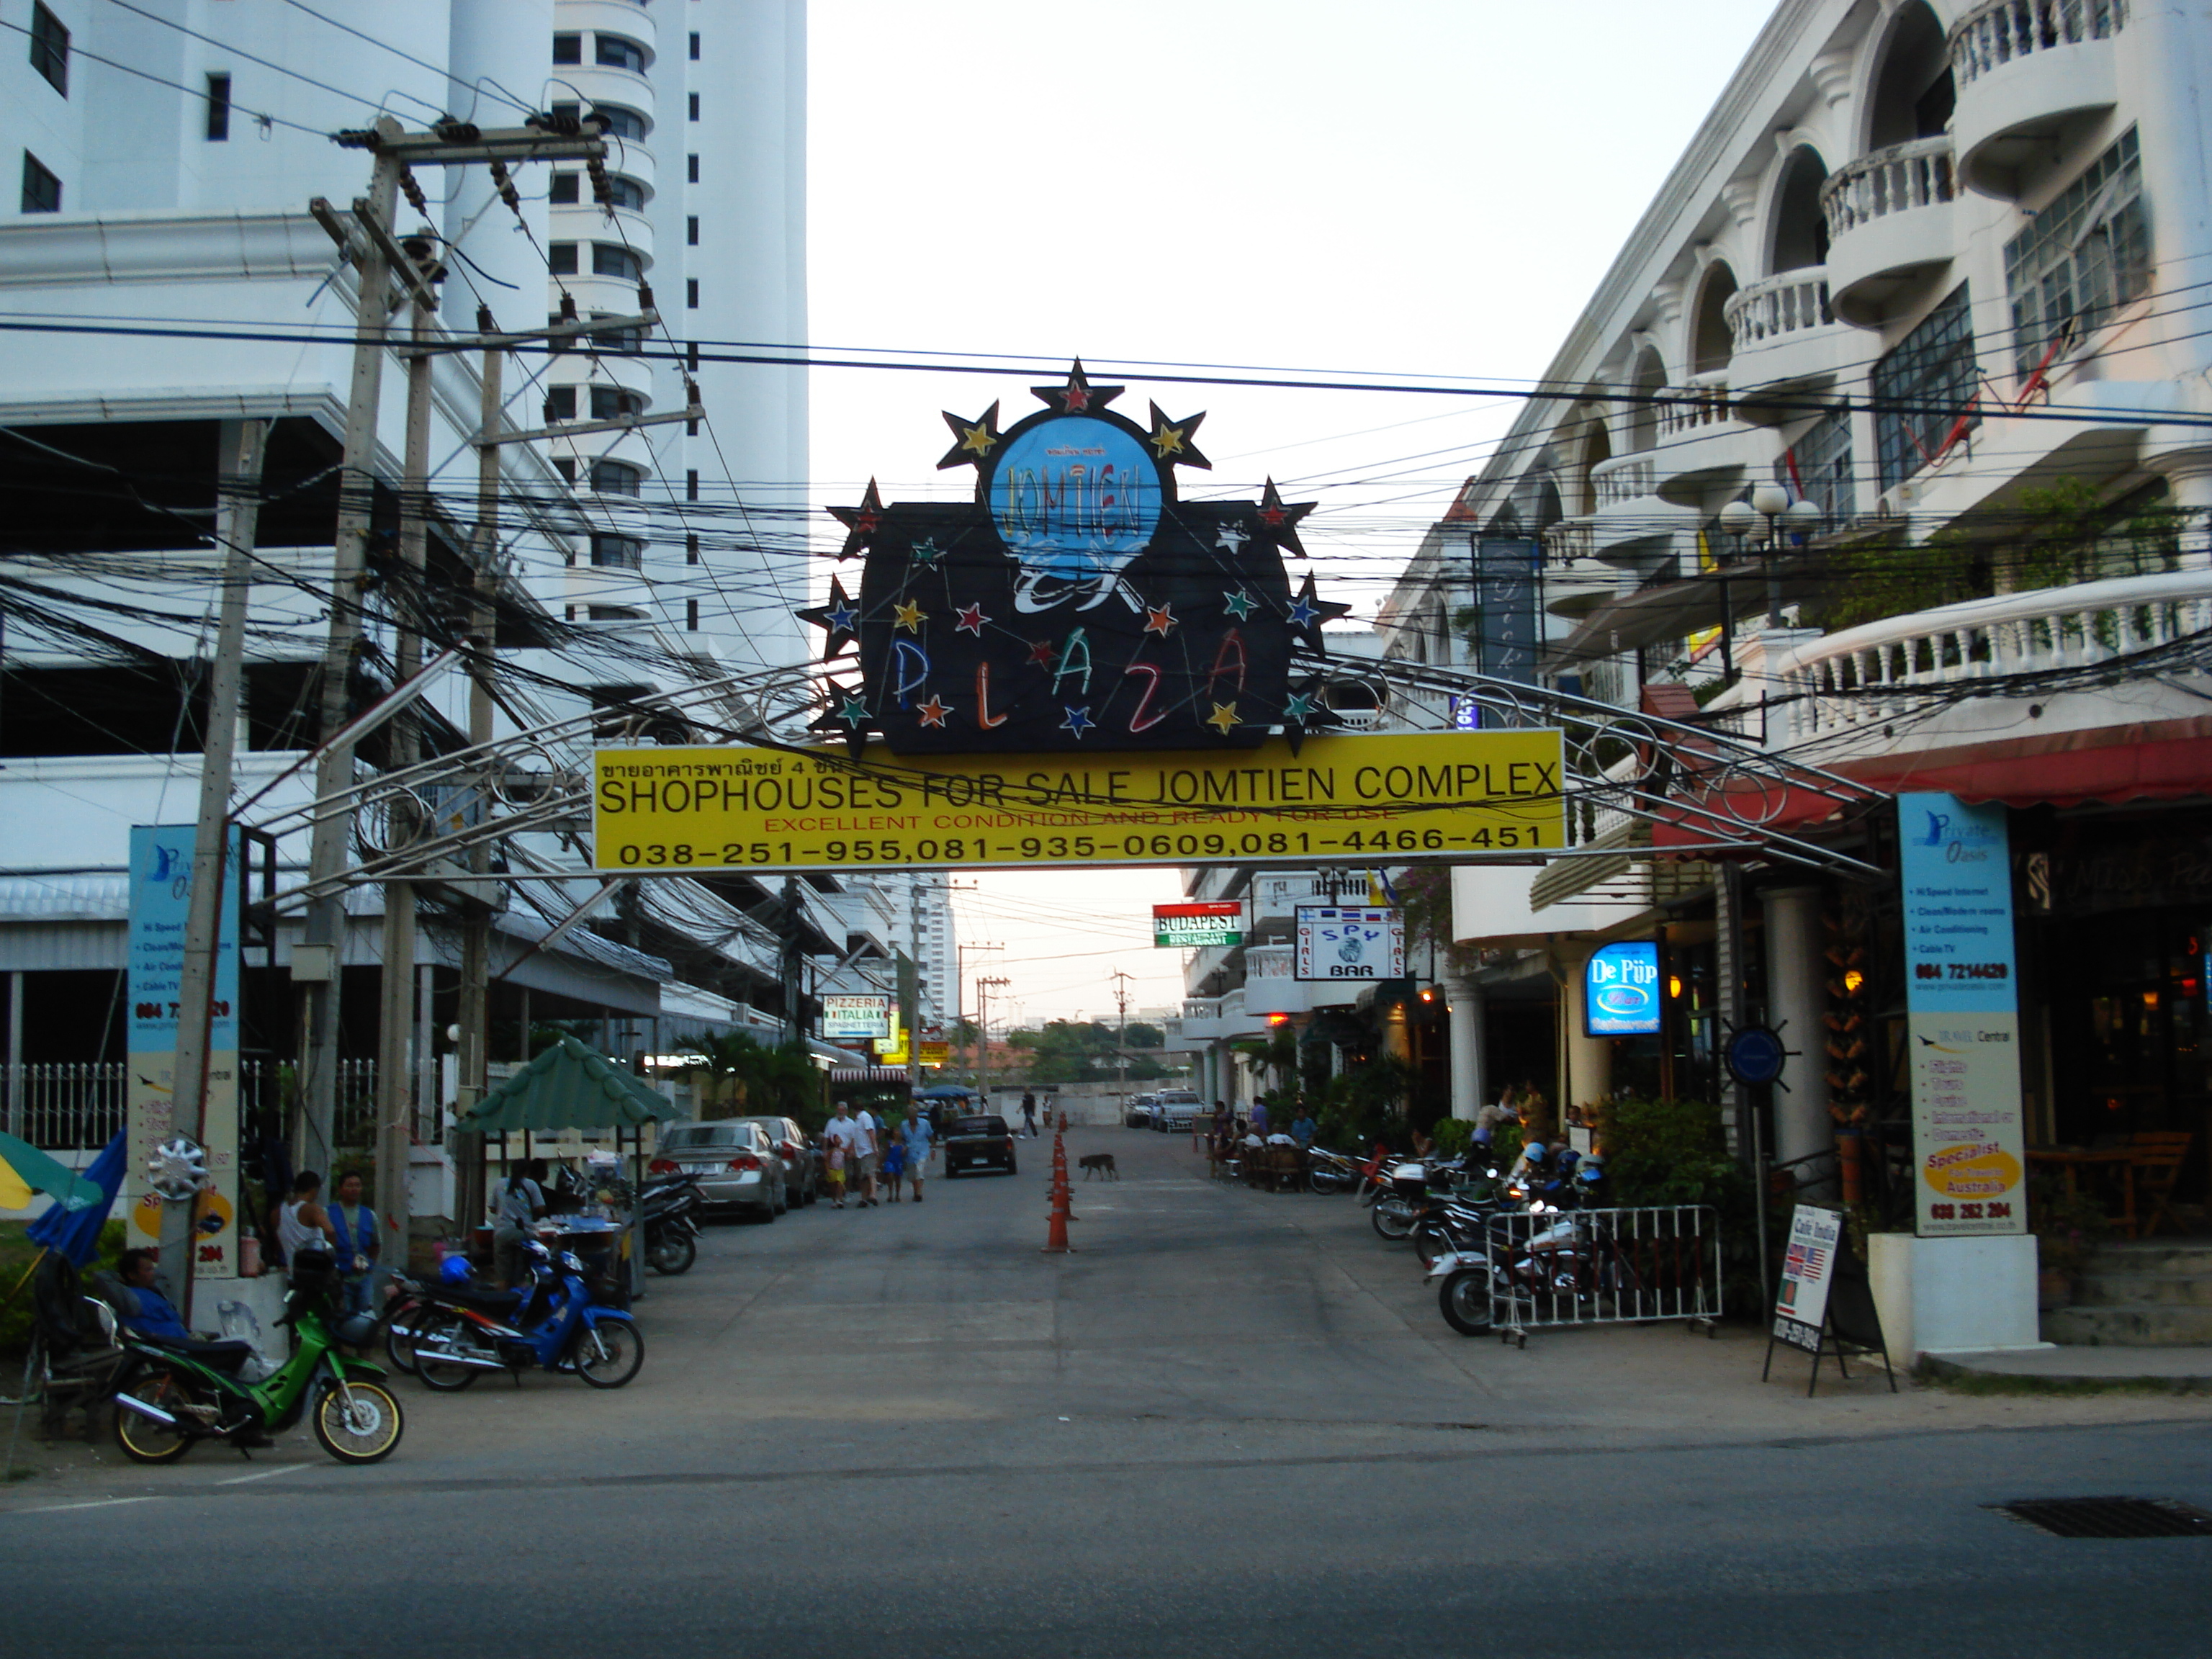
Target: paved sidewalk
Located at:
point(2182, 1370)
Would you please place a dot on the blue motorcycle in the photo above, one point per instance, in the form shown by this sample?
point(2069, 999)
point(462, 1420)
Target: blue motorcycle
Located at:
point(555, 1325)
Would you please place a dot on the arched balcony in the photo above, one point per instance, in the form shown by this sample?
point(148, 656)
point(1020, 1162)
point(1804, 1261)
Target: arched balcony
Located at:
point(1889, 221)
point(2026, 70)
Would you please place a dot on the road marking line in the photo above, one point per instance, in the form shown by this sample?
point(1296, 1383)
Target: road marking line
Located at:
point(265, 1474)
point(97, 1504)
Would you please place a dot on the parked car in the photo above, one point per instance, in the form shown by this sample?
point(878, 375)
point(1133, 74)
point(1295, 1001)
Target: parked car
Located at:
point(1174, 1109)
point(734, 1161)
point(978, 1143)
point(802, 1158)
point(1140, 1113)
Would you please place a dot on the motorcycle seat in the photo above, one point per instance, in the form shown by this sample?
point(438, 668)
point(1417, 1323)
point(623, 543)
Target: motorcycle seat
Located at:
point(226, 1356)
point(487, 1301)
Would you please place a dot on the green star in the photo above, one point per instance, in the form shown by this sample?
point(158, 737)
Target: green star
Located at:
point(853, 711)
point(1298, 709)
point(1238, 604)
point(926, 553)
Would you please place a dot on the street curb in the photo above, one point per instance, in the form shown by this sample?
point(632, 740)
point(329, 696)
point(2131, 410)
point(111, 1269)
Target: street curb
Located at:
point(1934, 1368)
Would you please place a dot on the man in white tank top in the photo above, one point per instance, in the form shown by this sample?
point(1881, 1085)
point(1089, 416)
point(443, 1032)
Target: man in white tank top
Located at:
point(301, 1224)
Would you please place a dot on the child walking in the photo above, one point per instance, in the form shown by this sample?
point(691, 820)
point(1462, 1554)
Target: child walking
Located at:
point(894, 1164)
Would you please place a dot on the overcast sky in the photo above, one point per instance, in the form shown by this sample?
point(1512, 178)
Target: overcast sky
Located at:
point(1402, 187)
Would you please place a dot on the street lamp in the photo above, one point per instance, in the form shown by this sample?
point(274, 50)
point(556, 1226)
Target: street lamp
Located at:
point(1766, 517)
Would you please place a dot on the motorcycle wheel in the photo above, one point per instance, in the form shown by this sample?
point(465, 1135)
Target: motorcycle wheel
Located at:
point(609, 1355)
point(443, 1375)
point(1464, 1298)
point(1430, 1241)
point(1392, 1219)
point(674, 1254)
point(1327, 1182)
point(143, 1439)
point(398, 1348)
point(367, 1431)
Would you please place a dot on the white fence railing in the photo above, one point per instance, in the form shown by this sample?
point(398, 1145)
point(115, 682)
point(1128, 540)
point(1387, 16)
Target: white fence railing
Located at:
point(1902, 179)
point(1270, 960)
point(1603, 1267)
point(1997, 33)
point(1625, 478)
point(78, 1106)
point(1703, 402)
point(1772, 310)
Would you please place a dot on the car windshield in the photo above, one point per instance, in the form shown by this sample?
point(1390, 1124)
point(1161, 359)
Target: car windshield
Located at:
point(979, 1125)
point(691, 1137)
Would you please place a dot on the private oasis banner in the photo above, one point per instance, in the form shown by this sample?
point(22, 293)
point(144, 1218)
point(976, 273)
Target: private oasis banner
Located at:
point(1962, 1004)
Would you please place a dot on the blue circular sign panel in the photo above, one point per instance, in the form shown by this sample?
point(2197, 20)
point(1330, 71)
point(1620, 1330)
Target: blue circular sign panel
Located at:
point(1076, 499)
point(1754, 1056)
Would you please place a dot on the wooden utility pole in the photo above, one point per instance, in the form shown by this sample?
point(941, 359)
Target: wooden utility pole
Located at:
point(239, 452)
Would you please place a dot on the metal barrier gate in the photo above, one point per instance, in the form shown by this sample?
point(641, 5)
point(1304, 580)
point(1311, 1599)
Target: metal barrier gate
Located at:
point(1612, 1267)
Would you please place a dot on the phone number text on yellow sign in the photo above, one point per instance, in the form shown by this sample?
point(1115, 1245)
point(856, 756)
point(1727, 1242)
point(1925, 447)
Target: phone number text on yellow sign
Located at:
point(1448, 794)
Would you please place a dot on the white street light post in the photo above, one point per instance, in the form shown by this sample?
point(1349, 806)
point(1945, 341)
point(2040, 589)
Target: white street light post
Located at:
point(1767, 516)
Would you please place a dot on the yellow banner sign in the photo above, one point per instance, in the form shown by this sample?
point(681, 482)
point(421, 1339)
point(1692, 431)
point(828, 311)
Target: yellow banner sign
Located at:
point(1438, 795)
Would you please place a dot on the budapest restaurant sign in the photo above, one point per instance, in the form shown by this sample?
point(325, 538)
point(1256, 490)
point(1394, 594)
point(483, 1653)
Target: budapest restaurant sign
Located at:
point(1447, 794)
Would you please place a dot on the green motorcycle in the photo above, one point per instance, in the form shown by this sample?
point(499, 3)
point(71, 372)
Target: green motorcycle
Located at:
point(170, 1395)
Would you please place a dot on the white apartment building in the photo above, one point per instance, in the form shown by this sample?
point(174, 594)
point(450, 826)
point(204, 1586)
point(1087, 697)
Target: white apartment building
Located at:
point(1940, 271)
point(163, 275)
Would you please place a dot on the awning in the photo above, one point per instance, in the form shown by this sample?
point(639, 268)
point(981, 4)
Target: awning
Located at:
point(569, 1086)
point(867, 1074)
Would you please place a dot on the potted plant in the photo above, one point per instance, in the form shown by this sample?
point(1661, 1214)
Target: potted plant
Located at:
point(2067, 1226)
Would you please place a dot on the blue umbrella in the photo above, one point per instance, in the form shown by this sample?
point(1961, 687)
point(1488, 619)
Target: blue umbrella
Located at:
point(76, 1233)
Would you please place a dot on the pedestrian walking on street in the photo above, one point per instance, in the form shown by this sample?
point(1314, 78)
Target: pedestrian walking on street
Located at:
point(847, 1141)
point(916, 1134)
point(521, 1202)
point(1028, 1112)
point(872, 1153)
point(353, 1231)
point(894, 1164)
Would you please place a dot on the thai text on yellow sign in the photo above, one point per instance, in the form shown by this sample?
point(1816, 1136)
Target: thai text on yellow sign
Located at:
point(1441, 796)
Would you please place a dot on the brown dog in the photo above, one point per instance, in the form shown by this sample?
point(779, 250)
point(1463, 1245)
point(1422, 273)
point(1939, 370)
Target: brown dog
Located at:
point(1099, 1164)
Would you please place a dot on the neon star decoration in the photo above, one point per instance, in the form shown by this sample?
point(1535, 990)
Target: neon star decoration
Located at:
point(977, 439)
point(1298, 708)
point(972, 621)
point(1307, 612)
point(1279, 522)
point(1238, 603)
point(910, 615)
point(933, 712)
point(1232, 536)
point(1078, 396)
point(1041, 652)
point(1159, 619)
point(1171, 439)
point(860, 522)
point(840, 620)
point(1078, 720)
point(927, 554)
point(1223, 717)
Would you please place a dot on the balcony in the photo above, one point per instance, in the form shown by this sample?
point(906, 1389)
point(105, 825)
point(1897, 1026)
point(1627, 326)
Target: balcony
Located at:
point(1633, 523)
point(1784, 331)
point(1889, 221)
point(2026, 70)
point(1702, 440)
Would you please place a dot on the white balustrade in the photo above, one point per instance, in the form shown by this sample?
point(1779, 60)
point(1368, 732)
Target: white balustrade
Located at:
point(1567, 541)
point(2003, 30)
point(1778, 307)
point(1902, 179)
point(1703, 402)
point(1270, 961)
point(1625, 478)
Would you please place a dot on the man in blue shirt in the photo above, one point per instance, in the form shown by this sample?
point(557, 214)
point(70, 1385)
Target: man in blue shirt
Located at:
point(916, 1136)
point(1303, 1127)
point(155, 1316)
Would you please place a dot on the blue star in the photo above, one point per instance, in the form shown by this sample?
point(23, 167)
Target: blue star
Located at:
point(842, 619)
point(1078, 720)
point(1303, 611)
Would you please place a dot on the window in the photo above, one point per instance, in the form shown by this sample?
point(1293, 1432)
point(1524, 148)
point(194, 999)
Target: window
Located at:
point(617, 478)
point(691, 230)
point(1822, 467)
point(566, 466)
point(2087, 254)
point(611, 402)
point(694, 45)
point(692, 164)
point(568, 48)
point(560, 343)
point(613, 51)
point(1921, 389)
point(568, 189)
point(49, 50)
point(624, 192)
point(626, 341)
point(561, 403)
point(218, 109)
point(42, 191)
point(691, 293)
point(619, 552)
point(691, 485)
point(623, 123)
point(691, 616)
point(608, 260)
point(695, 105)
point(561, 259)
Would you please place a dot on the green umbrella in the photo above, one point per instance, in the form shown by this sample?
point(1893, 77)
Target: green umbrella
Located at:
point(24, 1170)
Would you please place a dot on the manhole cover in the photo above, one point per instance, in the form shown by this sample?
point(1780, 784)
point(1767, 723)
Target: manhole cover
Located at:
point(2110, 1517)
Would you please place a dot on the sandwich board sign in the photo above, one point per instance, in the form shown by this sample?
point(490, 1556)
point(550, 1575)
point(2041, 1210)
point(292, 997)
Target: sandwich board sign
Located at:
point(1823, 1303)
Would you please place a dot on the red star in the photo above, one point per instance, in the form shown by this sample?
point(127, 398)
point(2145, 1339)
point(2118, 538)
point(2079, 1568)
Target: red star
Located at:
point(1159, 619)
point(860, 522)
point(1282, 521)
point(1041, 653)
point(1076, 397)
point(933, 712)
point(972, 621)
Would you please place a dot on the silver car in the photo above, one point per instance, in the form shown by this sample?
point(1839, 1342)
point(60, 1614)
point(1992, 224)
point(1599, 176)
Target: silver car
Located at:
point(734, 1162)
point(802, 1159)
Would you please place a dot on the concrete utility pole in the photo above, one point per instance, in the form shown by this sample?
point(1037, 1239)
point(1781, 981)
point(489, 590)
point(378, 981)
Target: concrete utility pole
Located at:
point(474, 1015)
point(1122, 1036)
point(983, 1038)
point(910, 984)
point(793, 1026)
point(239, 451)
point(960, 978)
point(396, 1026)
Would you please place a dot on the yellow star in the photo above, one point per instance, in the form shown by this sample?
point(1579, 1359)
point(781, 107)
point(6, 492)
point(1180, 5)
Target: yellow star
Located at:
point(1223, 717)
point(1168, 439)
point(978, 439)
point(910, 616)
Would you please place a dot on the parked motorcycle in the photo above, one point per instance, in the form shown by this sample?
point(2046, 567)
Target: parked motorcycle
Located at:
point(670, 1205)
point(555, 1324)
point(171, 1395)
point(1329, 1173)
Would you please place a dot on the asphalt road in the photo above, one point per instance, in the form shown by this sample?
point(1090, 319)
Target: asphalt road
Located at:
point(1232, 1423)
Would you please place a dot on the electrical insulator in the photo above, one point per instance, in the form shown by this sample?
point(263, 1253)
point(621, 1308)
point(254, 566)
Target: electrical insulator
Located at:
point(505, 186)
point(413, 193)
point(484, 319)
point(644, 296)
point(568, 308)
